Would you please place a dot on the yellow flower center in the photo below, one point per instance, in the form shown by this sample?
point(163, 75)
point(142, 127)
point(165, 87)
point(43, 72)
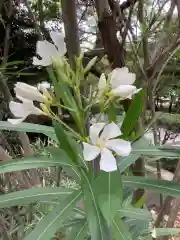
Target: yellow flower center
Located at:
point(101, 143)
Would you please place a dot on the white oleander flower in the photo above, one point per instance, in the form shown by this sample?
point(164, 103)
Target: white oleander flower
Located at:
point(26, 91)
point(121, 81)
point(102, 142)
point(22, 110)
point(47, 50)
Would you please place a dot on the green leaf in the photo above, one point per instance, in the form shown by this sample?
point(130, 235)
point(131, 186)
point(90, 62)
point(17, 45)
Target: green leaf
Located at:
point(112, 113)
point(62, 91)
point(29, 127)
point(34, 162)
point(66, 143)
point(138, 228)
point(140, 202)
point(97, 226)
point(33, 195)
point(166, 231)
point(127, 201)
point(146, 237)
point(161, 186)
point(133, 114)
point(109, 193)
point(50, 224)
point(70, 223)
point(72, 171)
point(79, 231)
point(135, 213)
point(155, 151)
point(125, 162)
point(142, 147)
point(120, 230)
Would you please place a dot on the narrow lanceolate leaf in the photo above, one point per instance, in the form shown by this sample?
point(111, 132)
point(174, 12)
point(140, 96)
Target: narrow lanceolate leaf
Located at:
point(125, 162)
point(50, 224)
point(79, 231)
point(127, 201)
point(64, 93)
point(70, 223)
point(155, 151)
point(29, 127)
point(66, 143)
point(35, 162)
point(135, 213)
point(109, 192)
point(142, 147)
point(112, 113)
point(71, 171)
point(161, 186)
point(166, 231)
point(139, 228)
point(98, 228)
point(120, 230)
point(33, 195)
point(133, 114)
point(146, 237)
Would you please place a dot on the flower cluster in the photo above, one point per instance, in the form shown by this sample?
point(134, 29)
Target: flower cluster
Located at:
point(27, 94)
point(119, 84)
point(104, 142)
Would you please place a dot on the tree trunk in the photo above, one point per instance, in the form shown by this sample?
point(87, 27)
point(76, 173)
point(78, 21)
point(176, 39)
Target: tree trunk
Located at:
point(71, 29)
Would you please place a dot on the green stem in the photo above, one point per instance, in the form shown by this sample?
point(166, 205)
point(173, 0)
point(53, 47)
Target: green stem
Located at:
point(76, 135)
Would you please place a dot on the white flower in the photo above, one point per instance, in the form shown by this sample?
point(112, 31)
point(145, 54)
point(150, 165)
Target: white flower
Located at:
point(26, 91)
point(104, 144)
point(121, 81)
point(22, 110)
point(47, 50)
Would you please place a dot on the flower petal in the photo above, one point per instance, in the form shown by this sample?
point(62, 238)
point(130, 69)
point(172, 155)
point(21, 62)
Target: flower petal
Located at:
point(137, 90)
point(120, 146)
point(110, 131)
point(24, 86)
point(26, 91)
point(121, 76)
point(90, 152)
point(46, 51)
point(124, 91)
point(31, 108)
point(16, 120)
point(18, 109)
point(94, 132)
point(102, 83)
point(58, 40)
point(43, 62)
point(107, 161)
point(22, 110)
